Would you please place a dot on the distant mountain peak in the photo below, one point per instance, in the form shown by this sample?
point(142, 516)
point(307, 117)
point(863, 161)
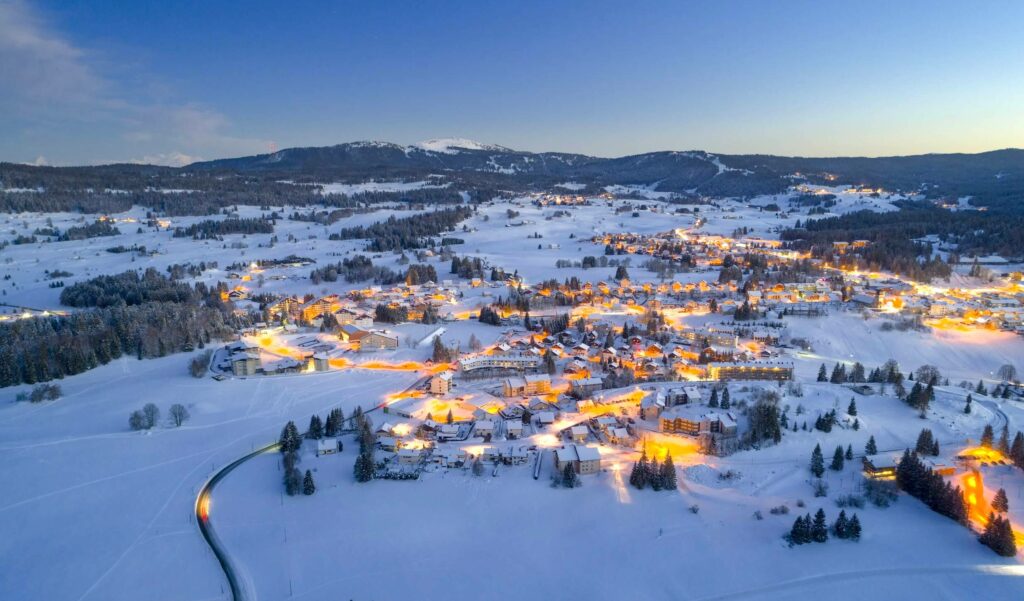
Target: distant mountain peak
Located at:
point(454, 145)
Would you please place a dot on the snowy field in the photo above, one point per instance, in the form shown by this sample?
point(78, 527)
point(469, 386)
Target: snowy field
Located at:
point(117, 505)
point(454, 535)
point(92, 511)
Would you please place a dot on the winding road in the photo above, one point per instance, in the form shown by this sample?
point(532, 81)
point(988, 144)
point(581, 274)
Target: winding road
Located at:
point(202, 510)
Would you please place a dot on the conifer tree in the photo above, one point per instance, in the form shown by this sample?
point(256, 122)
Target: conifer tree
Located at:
point(450, 418)
point(819, 528)
point(849, 452)
point(852, 409)
point(801, 531)
point(987, 436)
point(714, 398)
point(817, 462)
point(316, 428)
point(568, 476)
point(837, 460)
point(925, 442)
point(726, 401)
point(1017, 450)
point(290, 439)
point(967, 405)
point(668, 473)
point(308, 486)
point(1004, 440)
point(871, 448)
point(822, 373)
point(856, 424)
point(853, 528)
point(841, 527)
point(1000, 503)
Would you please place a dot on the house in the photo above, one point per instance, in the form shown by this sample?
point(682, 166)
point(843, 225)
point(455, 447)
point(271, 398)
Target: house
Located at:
point(545, 418)
point(620, 436)
point(346, 317)
point(378, 341)
point(408, 456)
point(586, 386)
point(319, 306)
point(387, 443)
point(245, 363)
point(651, 406)
point(451, 457)
point(327, 446)
point(527, 385)
point(441, 383)
point(580, 433)
point(484, 428)
point(880, 466)
point(583, 459)
point(351, 333)
point(694, 420)
point(321, 362)
point(514, 428)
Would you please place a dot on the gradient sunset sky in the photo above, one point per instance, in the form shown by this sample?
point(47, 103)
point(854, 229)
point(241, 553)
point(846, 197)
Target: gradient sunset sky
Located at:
point(91, 81)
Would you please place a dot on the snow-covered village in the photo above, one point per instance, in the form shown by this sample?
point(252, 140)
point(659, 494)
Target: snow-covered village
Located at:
point(371, 370)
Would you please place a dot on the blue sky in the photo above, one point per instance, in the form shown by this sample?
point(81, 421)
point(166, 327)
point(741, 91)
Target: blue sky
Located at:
point(90, 81)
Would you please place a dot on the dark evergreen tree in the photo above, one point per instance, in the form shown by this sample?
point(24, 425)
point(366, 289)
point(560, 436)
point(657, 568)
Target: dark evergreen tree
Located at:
point(726, 401)
point(1004, 440)
point(822, 373)
point(987, 436)
point(819, 527)
point(871, 448)
point(817, 462)
point(1000, 503)
point(290, 440)
point(837, 460)
point(841, 527)
point(925, 442)
point(316, 428)
point(713, 402)
point(852, 408)
point(849, 452)
point(1017, 450)
point(568, 476)
point(853, 528)
point(308, 486)
point(668, 473)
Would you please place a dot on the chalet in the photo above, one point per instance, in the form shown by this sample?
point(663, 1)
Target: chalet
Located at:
point(484, 428)
point(619, 435)
point(408, 456)
point(545, 418)
point(388, 443)
point(583, 459)
point(651, 406)
point(378, 341)
point(585, 387)
point(514, 428)
point(359, 319)
point(352, 333)
point(327, 446)
point(579, 433)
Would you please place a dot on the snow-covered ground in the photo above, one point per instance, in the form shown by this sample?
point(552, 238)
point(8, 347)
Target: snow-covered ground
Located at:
point(90, 510)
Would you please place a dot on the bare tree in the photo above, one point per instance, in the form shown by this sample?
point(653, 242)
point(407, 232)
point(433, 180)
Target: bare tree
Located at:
point(1007, 373)
point(178, 414)
point(137, 421)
